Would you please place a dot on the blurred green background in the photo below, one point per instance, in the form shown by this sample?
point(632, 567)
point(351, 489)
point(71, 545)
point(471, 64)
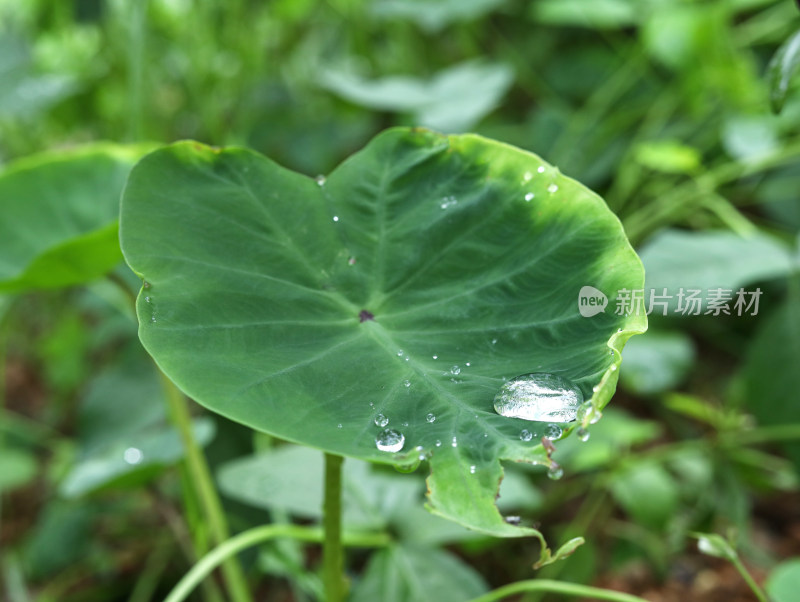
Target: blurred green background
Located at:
point(660, 106)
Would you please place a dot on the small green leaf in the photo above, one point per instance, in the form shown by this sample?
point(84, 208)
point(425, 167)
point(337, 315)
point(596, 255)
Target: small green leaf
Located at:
point(410, 574)
point(647, 492)
point(400, 293)
point(563, 552)
point(60, 211)
point(783, 582)
point(668, 157)
point(781, 70)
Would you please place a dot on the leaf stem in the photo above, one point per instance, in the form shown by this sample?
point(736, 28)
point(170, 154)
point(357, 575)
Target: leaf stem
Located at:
point(332, 552)
point(557, 587)
point(259, 535)
point(203, 485)
point(759, 593)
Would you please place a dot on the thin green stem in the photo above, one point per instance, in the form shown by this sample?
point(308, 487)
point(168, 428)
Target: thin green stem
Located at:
point(204, 487)
point(759, 593)
point(557, 587)
point(259, 535)
point(332, 553)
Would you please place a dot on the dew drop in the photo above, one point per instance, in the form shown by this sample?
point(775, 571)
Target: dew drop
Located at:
point(390, 440)
point(553, 431)
point(147, 299)
point(448, 201)
point(336, 218)
point(381, 420)
point(468, 364)
point(455, 442)
point(146, 284)
point(320, 180)
point(351, 261)
point(438, 443)
point(552, 188)
point(472, 469)
point(529, 197)
point(527, 177)
point(153, 319)
point(555, 471)
point(436, 357)
point(400, 353)
point(494, 341)
point(338, 426)
point(540, 169)
point(541, 397)
point(405, 424)
point(455, 370)
point(133, 455)
point(430, 418)
point(583, 434)
point(513, 520)
point(613, 368)
point(525, 435)
point(406, 383)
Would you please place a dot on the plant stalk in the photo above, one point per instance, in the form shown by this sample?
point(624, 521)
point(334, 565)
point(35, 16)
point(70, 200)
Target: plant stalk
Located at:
point(332, 551)
point(259, 535)
point(557, 587)
point(751, 583)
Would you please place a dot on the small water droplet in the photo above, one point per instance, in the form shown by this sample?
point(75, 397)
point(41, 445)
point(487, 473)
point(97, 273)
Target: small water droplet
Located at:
point(438, 443)
point(405, 424)
point(133, 455)
point(338, 426)
point(351, 261)
point(336, 218)
point(552, 188)
point(485, 435)
point(436, 357)
point(320, 180)
point(553, 431)
point(147, 299)
point(472, 469)
point(529, 197)
point(595, 389)
point(527, 177)
point(406, 383)
point(613, 368)
point(448, 201)
point(494, 341)
point(381, 420)
point(468, 364)
point(540, 169)
point(400, 353)
point(430, 418)
point(371, 404)
point(513, 520)
point(153, 319)
point(455, 370)
point(408, 359)
point(555, 471)
point(582, 434)
point(588, 413)
point(146, 284)
point(390, 440)
point(540, 397)
point(455, 442)
point(525, 435)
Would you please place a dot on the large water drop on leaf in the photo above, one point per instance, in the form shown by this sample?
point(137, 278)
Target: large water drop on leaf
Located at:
point(541, 397)
point(390, 440)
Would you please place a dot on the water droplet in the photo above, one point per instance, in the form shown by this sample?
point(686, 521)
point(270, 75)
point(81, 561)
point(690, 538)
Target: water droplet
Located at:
point(438, 443)
point(583, 434)
point(525, 435)
point(430, 418)
point(338, 426)
point(400, 353)
point(320, 180)
point(455, 442)
point(527, 177)
point(405, 424)
point(390, 440)
point(371, 404)
point(541, 397)
point(540, 169)
point(448, 201)
point(455, 370)
point(494, 341)
point(485, 435)
point(436, 357)
point(406, 383)
point(336, 218)
point(555, 471)
point(529, 197)
point(408, 359)
point(595, 389)
point(146, 284)
point(133, 455)
point(153, 319)
point(513, 520)
point(351, 261)
point(147, 299)
point(552, 188)
point(472, 469)
point(381, 420)
point(613, 367)
point(588, 413)
point(553, 431)
point(468, 364)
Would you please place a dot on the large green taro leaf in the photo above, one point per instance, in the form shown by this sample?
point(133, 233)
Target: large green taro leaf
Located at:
point(423, 272)
point(59, 216)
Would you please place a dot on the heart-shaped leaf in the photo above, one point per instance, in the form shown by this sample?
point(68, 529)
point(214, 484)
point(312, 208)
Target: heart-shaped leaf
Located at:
point(60, 212)
point(399, 294)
